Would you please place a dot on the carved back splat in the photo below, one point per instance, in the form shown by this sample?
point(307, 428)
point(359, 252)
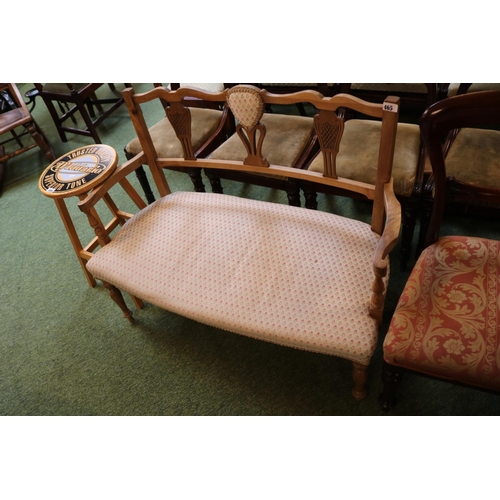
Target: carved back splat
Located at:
point(248, 107)
point(180, 118)
point(329, 129)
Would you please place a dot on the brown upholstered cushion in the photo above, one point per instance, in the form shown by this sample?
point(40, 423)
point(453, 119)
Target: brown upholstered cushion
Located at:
point(204, 122)
point(286, 138)
point(474, 158)
point(358, 154)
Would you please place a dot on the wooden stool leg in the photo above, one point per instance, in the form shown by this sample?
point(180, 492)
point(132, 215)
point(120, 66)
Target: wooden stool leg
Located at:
point(73, 237)
point(360, 376)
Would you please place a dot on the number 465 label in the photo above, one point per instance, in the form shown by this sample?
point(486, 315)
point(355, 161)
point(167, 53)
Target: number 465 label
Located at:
point(393, 108)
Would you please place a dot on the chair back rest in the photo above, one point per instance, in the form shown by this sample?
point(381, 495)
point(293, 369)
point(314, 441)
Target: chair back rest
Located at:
point(248, 104)
point(478, 109)
point(15, 112)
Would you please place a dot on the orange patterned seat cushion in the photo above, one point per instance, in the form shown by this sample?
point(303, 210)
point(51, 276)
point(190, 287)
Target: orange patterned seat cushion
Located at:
point(447, 320)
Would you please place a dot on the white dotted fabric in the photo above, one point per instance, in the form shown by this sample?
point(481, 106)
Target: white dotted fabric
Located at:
point(296, 277)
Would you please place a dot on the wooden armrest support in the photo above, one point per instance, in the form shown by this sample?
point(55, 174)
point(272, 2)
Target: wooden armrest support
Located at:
point(118, 176)
point(392, 227)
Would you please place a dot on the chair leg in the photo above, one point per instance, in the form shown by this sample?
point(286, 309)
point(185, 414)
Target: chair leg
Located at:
point(310, 197)
point(41, 140)
point(117, 296)
point(143, 181)
point(195, 175)
point(360, 376)
point(214, 182)
point(409, 209)
point(425, 220)
point(88, 121)
point(293, 193)
point(142, 178)
point(55, 118)
point(391, 378)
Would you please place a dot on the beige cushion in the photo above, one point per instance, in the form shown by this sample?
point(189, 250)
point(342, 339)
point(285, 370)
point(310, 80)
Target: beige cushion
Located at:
point(295, 277)
point(474, 158)
point(204, 122)
point(286, 137)
point(475, 87)
point(358, 154)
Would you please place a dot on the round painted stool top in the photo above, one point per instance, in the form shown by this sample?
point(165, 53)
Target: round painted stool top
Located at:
point(78, 171)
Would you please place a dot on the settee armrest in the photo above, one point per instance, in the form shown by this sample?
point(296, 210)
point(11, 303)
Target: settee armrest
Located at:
point(392, 227)
point(387, 242)
point(117, 177)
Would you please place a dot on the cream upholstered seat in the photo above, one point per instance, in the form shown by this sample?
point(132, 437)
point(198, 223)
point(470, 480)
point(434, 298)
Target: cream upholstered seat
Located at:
point(290, 140)
point(205, 123)
point(286, 138)
point(207, 131)
point(262, 290)
point(358, 154)
point(447, 321)
point(357, 160)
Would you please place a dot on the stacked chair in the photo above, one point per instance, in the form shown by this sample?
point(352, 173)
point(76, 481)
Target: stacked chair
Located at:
point(75, 99)
point(446, 324)
point(15, 122)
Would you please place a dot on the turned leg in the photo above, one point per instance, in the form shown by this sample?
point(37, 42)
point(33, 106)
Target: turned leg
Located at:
point(310, 197)
point(293, 193)
point(143, 181)
point(117, 296)
point(214, 182)
point(196, 179)
point(360, 376)
point(391, 378)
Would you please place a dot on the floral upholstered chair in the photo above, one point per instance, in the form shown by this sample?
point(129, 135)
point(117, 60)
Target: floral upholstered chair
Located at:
point(447, 321)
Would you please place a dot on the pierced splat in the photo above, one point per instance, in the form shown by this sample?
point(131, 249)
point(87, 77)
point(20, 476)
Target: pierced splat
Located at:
point(180, 118)
point(248, 107)
point(329, 129)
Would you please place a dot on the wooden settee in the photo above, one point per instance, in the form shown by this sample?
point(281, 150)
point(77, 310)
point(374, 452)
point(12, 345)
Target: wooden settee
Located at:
point(284, 274)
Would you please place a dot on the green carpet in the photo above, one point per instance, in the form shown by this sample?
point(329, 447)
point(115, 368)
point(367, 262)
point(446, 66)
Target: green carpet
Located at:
point(65, 348)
